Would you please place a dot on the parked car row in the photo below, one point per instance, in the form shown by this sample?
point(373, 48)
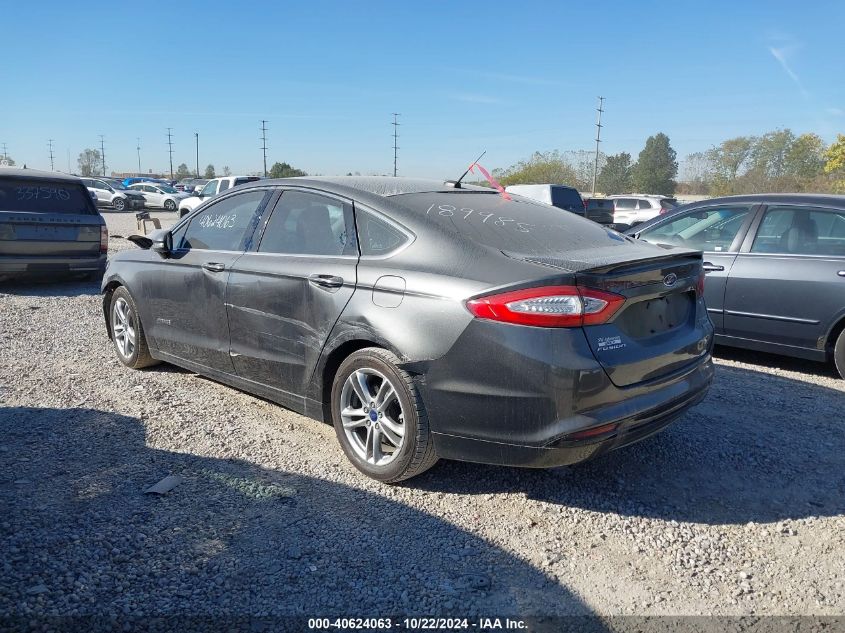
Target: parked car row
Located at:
point(618, 211)
point(210, 189)
point(108, 192)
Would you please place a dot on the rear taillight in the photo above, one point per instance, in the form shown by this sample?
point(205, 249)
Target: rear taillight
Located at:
point(699, 285)
point(549, 306)
point(104, 239)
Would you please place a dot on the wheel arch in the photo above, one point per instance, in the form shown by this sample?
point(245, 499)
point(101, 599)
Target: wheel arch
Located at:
point(331, 364)
point(833, 334)
point(108, 291)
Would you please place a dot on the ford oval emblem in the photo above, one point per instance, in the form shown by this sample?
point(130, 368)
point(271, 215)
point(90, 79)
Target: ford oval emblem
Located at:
point(670, 280)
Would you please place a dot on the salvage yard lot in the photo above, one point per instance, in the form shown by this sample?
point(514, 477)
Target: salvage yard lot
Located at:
point(738, 508)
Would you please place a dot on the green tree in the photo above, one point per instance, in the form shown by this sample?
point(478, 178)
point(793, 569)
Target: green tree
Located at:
point(209, 171)
point(616, 175)
point(656, 166)
point(182, 172)
point(540, 168)
point(283, 170)
point(834, 164)
point(768, 156)
point(805, 157)
point(90, 163)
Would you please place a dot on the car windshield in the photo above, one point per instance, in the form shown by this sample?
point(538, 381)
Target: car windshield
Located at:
point(115, 184)
point(167, 189)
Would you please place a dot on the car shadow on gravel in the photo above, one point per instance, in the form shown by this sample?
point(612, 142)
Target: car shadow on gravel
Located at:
point(52, 288)
point(81, 537)
point(761, 448)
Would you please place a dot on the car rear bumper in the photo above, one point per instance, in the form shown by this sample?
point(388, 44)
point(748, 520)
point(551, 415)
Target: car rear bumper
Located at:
point(37, 266)
point(521, 396)
point(646, 416)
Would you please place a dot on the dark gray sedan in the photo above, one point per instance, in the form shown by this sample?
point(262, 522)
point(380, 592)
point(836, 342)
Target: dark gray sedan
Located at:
point(775, 269)
point(49, 226)
point(422, 319)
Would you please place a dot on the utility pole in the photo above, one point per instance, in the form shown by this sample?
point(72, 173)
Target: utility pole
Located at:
point(598, 140)
point(103, 153)
point(138, 147)
point(264, 143)
point(5, 155)
point(170, 149)
point(197, 138)
point(395, 140)
point(50, 145)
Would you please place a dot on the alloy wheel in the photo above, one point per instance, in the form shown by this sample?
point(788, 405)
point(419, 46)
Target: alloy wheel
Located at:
point(123, 328)
point(372, 416)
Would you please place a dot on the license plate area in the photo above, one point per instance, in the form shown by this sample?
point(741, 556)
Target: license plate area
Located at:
point(652, 317)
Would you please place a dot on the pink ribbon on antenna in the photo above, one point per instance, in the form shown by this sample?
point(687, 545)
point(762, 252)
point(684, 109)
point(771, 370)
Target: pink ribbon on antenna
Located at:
point(493, 182)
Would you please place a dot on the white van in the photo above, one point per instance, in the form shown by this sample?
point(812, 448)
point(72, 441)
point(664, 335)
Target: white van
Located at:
point(559, 196)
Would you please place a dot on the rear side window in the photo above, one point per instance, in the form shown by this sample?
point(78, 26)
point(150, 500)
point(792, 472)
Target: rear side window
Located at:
point(225, 225)
point(625, 203)
point(309, 224)
point(377, 237)
point(566, 198)
point(45, 196)
point(224, 184)
point(645, 204)
point(801, 231)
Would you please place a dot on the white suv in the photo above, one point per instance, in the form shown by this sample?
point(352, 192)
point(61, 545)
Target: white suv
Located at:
point(634, 208)
point(212, 188)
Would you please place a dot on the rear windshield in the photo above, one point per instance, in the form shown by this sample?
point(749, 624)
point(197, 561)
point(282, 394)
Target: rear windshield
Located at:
point(566, 198)
point(240, 181)
point(517, 226)
point(668, 203)
point(45, 196)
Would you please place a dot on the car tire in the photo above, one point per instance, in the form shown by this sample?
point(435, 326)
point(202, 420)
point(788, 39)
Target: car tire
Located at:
point(119, 204)
point(839, 354)
point(169, 205)
point(127, 332)
point(365, 432)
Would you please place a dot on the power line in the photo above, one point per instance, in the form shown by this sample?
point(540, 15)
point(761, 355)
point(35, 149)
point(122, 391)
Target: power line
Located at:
point(395, 140)
point(138, 147)
point(264, 143)
point(598, 140)
point(170, 149)
point(103, 153)
point(50, 145)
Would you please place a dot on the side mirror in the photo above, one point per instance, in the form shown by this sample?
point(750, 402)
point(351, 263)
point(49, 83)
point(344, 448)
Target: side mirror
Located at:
point(162, 242)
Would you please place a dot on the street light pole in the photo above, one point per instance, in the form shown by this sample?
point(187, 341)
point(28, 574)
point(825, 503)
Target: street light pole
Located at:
point(197, 138)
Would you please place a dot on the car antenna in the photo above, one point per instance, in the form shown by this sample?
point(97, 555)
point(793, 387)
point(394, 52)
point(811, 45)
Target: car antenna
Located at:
point(456, 184)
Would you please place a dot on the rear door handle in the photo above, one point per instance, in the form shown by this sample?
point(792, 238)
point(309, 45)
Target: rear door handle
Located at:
point(326, 281)
point(214, 267)
point(711, 268)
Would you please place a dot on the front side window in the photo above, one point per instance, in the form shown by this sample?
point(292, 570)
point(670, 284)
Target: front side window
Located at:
point(801, 231)
point(712, 229)
point(209, 189)
point(225, 225)
point(309, 224)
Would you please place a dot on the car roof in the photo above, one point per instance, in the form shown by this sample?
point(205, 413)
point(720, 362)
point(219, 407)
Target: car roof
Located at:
point(802, 198)
point(36, 174)
point(381, 186)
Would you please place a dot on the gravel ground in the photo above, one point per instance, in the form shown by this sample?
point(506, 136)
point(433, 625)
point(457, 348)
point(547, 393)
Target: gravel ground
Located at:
point(738, 508)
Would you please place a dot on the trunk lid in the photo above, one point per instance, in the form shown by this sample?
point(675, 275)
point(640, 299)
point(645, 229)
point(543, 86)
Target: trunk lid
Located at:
point(661, 328)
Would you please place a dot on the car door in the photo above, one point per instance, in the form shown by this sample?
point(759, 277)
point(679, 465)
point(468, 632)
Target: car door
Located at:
point(718, 231)
point(142, 189)
point(787, 286)
point(186, 292)
point(287, 292)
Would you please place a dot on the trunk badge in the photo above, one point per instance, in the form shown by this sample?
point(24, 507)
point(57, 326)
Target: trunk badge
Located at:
point(670, 280)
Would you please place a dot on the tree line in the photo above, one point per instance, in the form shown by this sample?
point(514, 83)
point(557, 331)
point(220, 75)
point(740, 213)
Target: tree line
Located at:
point(778, 161)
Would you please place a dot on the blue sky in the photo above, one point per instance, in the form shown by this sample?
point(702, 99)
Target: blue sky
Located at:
point(508, 77)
